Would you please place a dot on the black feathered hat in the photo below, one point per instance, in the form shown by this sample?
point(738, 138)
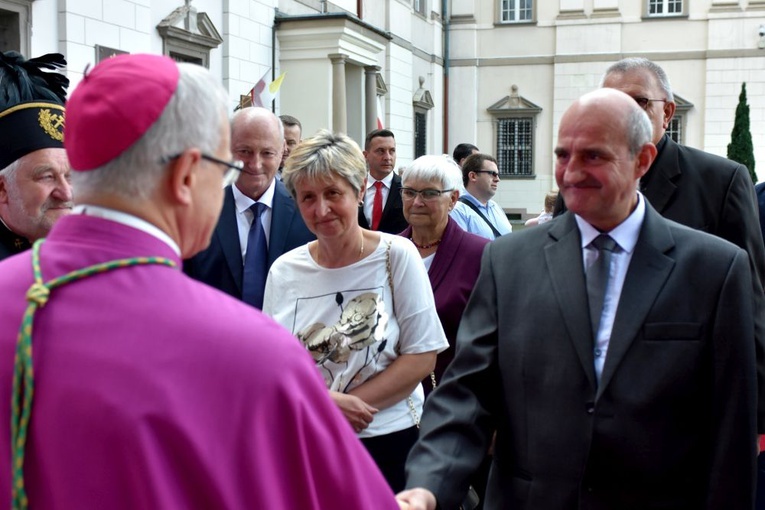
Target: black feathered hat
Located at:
point(32, 96)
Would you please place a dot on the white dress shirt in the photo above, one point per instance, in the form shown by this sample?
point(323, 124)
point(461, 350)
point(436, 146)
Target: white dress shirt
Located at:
point(369, 196)
point(626, 235)
point(244, 215)
point(129, 220)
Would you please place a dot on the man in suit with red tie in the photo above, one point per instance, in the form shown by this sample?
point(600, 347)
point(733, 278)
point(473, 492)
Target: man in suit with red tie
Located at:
point(382, 208)
point(259, 220)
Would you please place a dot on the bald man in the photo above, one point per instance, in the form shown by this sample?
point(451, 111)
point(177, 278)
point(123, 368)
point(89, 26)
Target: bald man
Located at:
point(625, 376)
point(257, 140)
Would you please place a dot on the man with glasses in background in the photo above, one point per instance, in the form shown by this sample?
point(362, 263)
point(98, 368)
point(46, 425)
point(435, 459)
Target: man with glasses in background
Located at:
point(259, 221)
point(475, 211)
point(697, 189)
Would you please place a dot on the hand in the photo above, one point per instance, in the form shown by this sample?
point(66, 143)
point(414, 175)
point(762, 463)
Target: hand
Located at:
point(358, 413)
point(416, 499)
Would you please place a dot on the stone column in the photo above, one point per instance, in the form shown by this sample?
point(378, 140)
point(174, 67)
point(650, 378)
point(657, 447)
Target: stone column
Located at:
point(370, 97)
point(339, 113)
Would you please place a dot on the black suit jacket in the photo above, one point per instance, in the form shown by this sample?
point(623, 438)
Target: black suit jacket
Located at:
point(11, 243)
point(221, 265)
point(671, 424)
point(760, 189)
point(393, 221)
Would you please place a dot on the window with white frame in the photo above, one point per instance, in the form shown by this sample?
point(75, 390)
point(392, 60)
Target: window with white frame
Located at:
point(513, 11)
point(419, 6)
point(665, 7)
point(515, 146)
point(15, 25)
point(675, 129)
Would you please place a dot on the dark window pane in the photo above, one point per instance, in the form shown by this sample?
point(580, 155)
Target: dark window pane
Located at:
point(420, 134)
point(515, 146)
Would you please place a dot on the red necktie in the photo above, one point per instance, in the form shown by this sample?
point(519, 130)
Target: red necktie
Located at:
point(377, 205)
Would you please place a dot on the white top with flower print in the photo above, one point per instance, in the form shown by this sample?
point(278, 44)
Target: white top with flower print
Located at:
point(345, 319)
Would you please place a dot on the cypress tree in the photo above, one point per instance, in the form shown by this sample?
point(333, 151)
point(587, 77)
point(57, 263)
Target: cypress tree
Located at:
point(740, 148)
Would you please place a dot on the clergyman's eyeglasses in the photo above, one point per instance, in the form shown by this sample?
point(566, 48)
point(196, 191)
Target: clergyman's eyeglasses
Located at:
point(232, 167)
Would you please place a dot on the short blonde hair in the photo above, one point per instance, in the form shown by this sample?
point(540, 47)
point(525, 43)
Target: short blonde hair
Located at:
point(322, 155)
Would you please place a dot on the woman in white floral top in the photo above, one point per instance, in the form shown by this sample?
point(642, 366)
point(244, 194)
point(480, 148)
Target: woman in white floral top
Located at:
point(372, 347)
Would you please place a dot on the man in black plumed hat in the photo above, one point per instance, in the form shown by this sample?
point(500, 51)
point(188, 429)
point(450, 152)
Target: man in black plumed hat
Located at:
point(34, 171)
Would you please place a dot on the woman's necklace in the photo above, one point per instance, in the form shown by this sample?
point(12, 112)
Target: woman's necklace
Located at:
point(424, 246)
point(361, 249)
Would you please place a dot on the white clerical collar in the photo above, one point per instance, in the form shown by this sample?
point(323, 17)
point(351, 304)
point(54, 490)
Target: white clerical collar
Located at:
point(129, 220)
point(625, 234)
point(243, 202)
point(387, 181)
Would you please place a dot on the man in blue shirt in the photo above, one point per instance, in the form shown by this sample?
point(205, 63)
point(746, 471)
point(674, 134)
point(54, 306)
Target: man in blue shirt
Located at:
point(476, 212)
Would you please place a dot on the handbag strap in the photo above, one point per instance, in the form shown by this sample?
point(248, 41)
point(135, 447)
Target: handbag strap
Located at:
point(389, 271)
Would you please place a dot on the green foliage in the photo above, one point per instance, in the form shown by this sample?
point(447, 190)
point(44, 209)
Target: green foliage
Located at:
point(740, 148)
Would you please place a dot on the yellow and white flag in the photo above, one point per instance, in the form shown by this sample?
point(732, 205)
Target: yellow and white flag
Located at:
point(263, 94)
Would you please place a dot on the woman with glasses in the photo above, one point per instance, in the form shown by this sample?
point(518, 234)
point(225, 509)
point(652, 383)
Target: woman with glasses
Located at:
point(358, 300)
point(430, 190)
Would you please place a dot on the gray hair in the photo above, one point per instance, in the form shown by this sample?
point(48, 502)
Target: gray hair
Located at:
point(322, 155)
point(435, 168)
point(636, 63)
point(9, 172)
point(639, 130)
point(193, 117)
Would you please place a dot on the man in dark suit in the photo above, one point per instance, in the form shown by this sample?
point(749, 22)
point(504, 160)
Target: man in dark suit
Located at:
point(644, 401)
point(700, 190)
point(760, 190)
point(257, 139)
point(382, 208)
point(689, 186)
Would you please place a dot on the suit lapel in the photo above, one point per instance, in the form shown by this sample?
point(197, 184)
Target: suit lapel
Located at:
point(227, 233)
point(444, 258)
point(666, 171)
point(394, 199)
point(563, 256)
point(646, 276)
point(281, 219)
point(363, 223)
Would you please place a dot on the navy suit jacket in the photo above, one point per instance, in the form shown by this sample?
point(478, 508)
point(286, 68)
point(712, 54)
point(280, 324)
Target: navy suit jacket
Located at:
point(670, 425)
point(393, 221)
point(221, 265)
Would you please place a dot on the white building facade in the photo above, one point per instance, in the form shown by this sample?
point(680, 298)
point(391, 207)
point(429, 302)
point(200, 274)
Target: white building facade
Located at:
point(516, 65)
point(495, 73)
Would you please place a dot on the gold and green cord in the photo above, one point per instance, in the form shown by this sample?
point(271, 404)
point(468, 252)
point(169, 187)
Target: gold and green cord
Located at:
point(23, 371)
